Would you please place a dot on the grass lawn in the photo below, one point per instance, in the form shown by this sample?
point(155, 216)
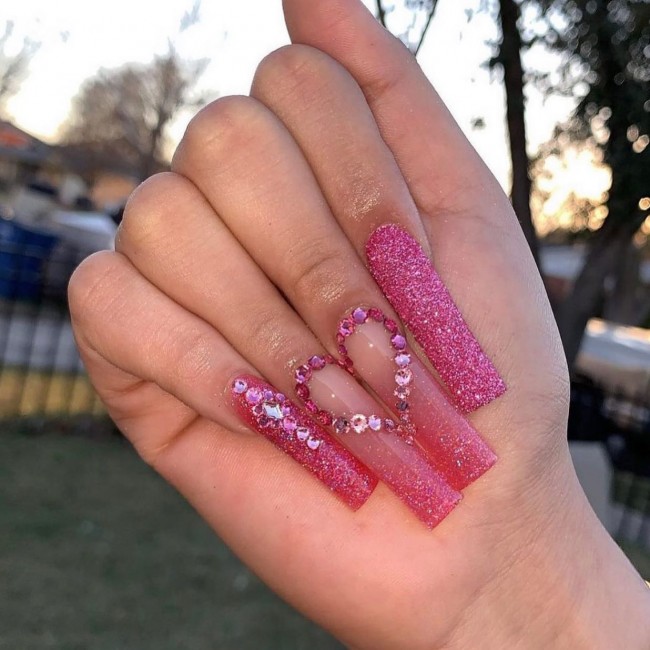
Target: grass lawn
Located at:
point(97, 552)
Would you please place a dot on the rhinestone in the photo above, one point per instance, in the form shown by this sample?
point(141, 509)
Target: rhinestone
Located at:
point(398, 342)
point(317, 362)
point(313, 444)
point(402, 392)
point(280, 398)
point(359, 316)
point(268, 395)
point(341, 426)
point(289, 424)
point(359, 423)
point(346, 327)
point(403, 359)
point(286, 410)
point(258, 410)
point(302, 391)
point(263, 421)
point(375, 314)
point(340, 339)
point(374, 422)
point(272, 410)
point(389, 424)
point(390, 325)
point(303, 374)
point(324, 418)
point(403, 377)
point(343, 350)
point(329, 359)
point(311, 406)
point(402, 406)
point(239, 386)
point(302, 433)
point(253, 395)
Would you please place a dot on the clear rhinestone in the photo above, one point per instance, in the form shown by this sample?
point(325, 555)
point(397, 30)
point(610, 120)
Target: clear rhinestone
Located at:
point(253, 395)
point(313, 444)
point(341, 426)
point(374, 422)
point(302, 433)
point(359, 423)
point(403, 376)
point(272, 410)
point(403, 359)
point(239, 386)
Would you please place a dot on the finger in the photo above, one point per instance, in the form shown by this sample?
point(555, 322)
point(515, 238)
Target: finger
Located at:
point(192, 362)
point(477, 245)
point(315, 96)
point(243, 305)
point(263, 191)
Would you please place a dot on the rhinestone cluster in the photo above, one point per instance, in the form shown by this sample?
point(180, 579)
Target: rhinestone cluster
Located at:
point(273, 410)
point(360, 422)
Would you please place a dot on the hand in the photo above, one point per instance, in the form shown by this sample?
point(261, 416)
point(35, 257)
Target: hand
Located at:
point(244, 258)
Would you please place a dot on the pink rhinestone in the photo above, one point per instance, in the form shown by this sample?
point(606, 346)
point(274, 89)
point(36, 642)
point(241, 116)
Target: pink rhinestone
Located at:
point(374, 422)
point(359, 316)
point(390, 325)
point(302, 433)
point(311, 406)
point(341, 426)
point(286, 410)
point(403, 359)
point(343, 350)
point(258, 409)
point(303, 374)
point(359, 423)
point(280, 398)
point(268, 395)
point(302, 391)
point(313, 444)
point(324, 418)
point(253, 395)
point(329, 359)
point(403, 377)
point(317, 362)
point(239, 386)
point(402, 392)
point(340, 339)
point(289, 424)
point(376, 314)
point(346, 327)
point(398, 342)
point(263, 421)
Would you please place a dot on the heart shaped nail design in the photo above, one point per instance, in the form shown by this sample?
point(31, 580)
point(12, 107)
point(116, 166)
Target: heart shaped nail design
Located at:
point(361, 422)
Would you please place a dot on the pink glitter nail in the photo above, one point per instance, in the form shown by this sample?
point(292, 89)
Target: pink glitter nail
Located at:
point(268, 412)
point(414, 288)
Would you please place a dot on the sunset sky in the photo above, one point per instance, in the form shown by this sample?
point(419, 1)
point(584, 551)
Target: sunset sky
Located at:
point(80, 38)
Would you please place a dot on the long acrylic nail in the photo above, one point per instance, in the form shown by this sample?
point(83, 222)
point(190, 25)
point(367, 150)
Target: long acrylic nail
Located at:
point(381, 356)
point(270, 413)
point(414, 288)
point(338, 401)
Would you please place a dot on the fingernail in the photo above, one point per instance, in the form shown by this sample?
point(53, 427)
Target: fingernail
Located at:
point(270, 413)
point(414, 288)
point(339, 402)
point(381, 356)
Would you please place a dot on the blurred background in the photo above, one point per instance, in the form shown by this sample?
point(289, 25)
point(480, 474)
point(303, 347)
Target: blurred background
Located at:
point(98, 552)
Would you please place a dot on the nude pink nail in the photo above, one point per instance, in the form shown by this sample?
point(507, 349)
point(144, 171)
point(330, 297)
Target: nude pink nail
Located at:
point(338, 401)
point(414, 288)
point(383, 359)
point(270, 413)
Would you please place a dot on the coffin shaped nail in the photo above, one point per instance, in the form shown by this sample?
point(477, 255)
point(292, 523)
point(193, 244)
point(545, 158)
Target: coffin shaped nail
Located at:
point(270, 413)
point(380, 355)
point(337, 400)
point(414, 288)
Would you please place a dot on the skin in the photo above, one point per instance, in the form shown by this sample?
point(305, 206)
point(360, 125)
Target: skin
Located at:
point(244, 257)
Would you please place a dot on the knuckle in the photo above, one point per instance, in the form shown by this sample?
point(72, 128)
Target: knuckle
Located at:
point(267, 331)
point(321, 273)
point(91, 283)
point(146, 210)
point(223, 126)
point(292, 70)
point(192, 354)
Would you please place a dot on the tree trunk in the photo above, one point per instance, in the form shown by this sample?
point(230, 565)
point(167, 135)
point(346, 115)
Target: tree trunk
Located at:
point(623, 304)
point(510, 58)
point(583, 301)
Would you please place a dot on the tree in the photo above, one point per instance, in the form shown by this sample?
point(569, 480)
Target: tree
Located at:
point(122, 114)
point(419, 13)
point(13, 67)
point(605, 45)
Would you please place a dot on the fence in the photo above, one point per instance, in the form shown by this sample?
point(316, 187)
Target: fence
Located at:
point(40, 370)
point(41, 373)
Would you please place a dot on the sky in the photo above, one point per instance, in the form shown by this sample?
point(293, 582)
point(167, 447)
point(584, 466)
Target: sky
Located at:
point(79, 38)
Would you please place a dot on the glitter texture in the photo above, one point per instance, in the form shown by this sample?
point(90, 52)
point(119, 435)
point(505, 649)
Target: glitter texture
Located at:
point(414, 288)
point(305, 441)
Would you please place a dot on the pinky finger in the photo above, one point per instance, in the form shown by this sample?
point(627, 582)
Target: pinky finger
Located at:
point(161, 369)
